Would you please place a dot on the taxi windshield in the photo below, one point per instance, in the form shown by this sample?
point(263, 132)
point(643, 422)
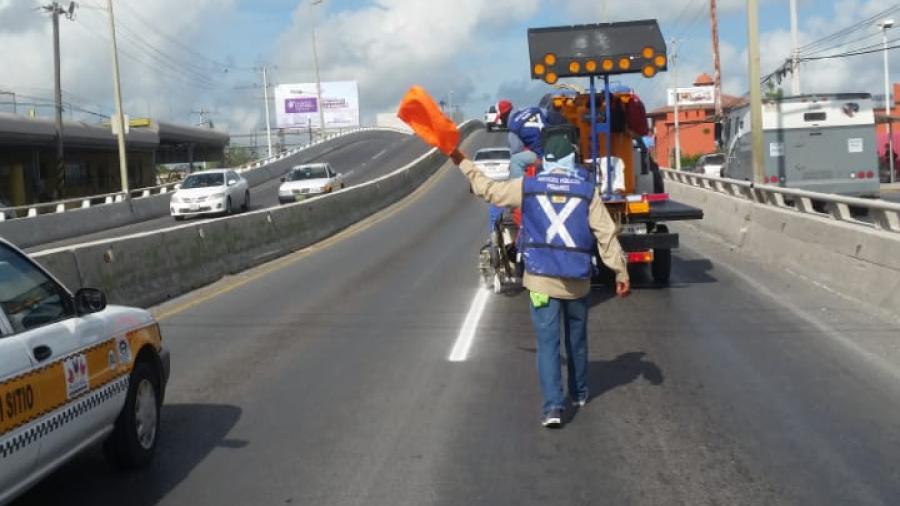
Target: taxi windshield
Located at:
point(310, 172)
point(203, 181)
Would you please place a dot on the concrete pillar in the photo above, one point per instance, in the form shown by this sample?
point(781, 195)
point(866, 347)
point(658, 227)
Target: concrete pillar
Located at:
point(17, 194)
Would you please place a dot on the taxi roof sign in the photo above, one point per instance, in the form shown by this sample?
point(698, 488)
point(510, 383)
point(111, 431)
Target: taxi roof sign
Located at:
point(630, 47)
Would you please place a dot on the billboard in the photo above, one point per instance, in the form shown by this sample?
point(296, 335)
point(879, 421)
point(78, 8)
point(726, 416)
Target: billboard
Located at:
point(296, 105)
point(698, 95)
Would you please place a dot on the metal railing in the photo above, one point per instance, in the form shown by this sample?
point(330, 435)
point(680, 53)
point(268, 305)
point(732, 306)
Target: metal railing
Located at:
point(284, 154)
point(61, 206)
point(883, 215)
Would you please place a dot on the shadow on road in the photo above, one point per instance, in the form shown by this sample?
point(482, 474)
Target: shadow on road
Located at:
point(190, 432)
point(606, 375)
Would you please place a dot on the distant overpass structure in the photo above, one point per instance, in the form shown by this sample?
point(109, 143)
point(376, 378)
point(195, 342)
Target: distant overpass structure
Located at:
point(28, 159)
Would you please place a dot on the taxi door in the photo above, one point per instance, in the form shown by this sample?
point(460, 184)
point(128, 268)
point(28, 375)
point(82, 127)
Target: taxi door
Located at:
point(18, 455)
point(67, 352)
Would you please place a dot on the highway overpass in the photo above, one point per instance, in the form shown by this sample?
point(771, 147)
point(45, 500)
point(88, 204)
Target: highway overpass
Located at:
point(322, 376)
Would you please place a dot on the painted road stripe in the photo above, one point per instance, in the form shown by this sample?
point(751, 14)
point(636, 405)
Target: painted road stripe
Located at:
point(466, 336)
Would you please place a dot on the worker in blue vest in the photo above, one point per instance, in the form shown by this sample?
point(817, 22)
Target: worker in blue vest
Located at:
point(563, 222)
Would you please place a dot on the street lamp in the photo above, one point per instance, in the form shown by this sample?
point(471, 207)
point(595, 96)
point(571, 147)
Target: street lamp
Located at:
point(312, 17)
point(884, 26)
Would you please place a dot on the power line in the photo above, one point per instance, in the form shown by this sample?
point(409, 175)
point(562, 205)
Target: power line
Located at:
point(160, 60)
point(162, 70)
point(844, 32)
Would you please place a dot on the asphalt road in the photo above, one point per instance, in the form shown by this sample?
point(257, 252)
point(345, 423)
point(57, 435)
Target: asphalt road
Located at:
point(376, 154)
point(323, 379)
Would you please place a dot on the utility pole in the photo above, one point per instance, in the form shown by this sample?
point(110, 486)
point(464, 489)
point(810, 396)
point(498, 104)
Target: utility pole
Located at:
point(795, 52)
point(759, 171)
point(55, 11)
point(717, 62)
point(120, 114)
point(674, 59)
point(884, 26)
point(265, 76)
point(312, 17)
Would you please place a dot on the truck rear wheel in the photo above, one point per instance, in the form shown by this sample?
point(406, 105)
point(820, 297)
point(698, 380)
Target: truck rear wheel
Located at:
point(661, 268)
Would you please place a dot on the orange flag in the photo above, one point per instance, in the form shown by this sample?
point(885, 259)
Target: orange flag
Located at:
point(422, 114)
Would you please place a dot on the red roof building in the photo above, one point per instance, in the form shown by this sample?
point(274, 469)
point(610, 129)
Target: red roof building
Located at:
point(696, 123)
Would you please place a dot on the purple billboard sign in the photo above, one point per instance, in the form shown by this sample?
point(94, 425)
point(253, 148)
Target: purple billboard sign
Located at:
point(300, 105)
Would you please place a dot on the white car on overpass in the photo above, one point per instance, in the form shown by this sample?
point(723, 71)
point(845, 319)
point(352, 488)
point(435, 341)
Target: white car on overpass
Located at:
point(309, 180)
point(210, 192)
point(73, 372)
point(493, 162)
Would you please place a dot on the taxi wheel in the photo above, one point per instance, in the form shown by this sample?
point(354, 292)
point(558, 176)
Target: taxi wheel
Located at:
point(246, 205)
point(134, 438)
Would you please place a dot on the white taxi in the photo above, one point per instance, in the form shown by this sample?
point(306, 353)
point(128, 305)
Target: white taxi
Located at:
point(308, 181)
point(73, 372)
point(493, 162)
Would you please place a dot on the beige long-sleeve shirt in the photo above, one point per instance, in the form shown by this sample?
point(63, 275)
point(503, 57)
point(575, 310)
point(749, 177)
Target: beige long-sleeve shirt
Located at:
point(509, 194)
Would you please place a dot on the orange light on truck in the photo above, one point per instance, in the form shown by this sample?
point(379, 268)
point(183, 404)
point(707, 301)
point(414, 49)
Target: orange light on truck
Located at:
point(591, 66)
point(649, 71)
point(607, 65)
point(624, 63)
point(648, 53)
point(574, 67)
point(550, 59)
point(640, 207)
point(551, 78)
point(539, 69)
point(640, 257)
point(660, 61)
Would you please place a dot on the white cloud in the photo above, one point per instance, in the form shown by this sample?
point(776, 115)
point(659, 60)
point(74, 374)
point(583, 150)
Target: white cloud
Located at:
point(154, 85)
point(392, 44)
point(671, 10)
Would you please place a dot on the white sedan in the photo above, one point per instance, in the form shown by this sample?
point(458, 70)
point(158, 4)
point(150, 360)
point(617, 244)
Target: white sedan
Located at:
point(210, 192)
point(493, 163)
point(309, 180)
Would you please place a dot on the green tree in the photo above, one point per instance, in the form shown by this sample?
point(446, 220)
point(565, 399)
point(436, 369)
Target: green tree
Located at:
point(236, 156)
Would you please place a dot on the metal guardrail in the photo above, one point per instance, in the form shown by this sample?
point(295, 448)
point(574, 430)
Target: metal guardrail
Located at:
point(290, 152)
point(884, 215)
point(61, 206)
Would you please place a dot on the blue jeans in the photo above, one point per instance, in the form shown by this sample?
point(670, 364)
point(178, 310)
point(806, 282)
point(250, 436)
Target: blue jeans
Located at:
point(570, 316)
point(519, 162)
point(494, 215)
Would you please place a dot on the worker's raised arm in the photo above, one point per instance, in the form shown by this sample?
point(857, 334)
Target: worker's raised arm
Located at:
point(500, 193)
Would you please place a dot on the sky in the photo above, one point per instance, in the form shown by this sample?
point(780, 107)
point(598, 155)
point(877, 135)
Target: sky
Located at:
point(183, 57)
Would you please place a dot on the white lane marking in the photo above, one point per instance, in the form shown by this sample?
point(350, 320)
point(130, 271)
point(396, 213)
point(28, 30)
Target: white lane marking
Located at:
point(379, 155)
point(463, 343)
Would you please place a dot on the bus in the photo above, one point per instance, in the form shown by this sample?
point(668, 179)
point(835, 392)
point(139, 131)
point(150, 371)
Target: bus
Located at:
point(820, 143)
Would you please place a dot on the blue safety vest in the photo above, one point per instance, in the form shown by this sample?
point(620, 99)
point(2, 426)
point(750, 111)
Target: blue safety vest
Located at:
point(556, 239)
point(528, 124)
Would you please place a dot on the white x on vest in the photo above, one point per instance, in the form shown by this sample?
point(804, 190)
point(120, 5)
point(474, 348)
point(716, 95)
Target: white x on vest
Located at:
point(558, 221)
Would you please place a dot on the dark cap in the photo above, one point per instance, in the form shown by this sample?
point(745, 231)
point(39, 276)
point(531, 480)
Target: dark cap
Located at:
point(557, 147)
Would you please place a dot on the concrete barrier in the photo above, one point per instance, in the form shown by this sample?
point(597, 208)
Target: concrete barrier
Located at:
point(50, 227)
point(859, 262)
point(146, 269)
